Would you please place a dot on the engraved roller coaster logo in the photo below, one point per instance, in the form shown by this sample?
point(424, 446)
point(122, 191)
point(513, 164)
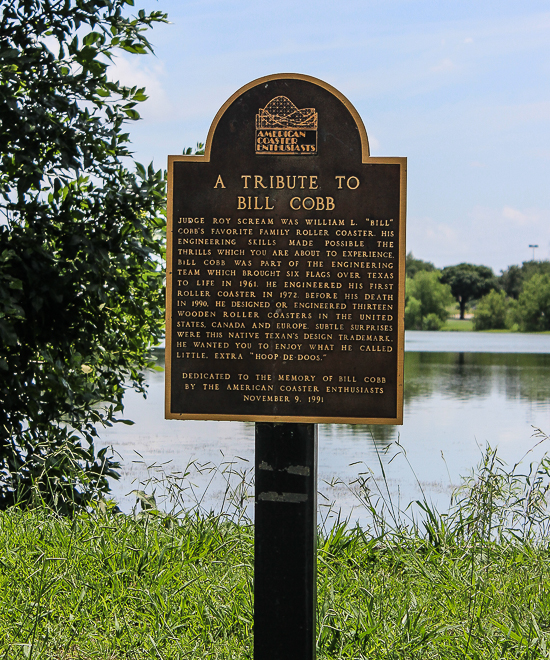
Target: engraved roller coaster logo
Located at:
point(284, 129)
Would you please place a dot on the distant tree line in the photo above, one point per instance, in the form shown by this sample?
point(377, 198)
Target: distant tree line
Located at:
point(518, 299)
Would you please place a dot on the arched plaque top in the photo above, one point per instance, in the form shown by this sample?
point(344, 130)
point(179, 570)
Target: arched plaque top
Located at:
point(311, 116)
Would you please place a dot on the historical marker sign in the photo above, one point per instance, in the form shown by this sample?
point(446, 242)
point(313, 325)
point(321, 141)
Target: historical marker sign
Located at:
point(285, 264)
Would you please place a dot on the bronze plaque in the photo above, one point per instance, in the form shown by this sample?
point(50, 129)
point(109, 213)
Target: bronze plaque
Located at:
point(286, 264)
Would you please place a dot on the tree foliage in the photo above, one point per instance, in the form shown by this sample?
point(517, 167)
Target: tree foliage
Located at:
point(533, 308)
point(511, 281)
point(468, 282)
point(413, 265)
point(426, 301)
point(514, 277)
point(81, 242)
point(492, 312)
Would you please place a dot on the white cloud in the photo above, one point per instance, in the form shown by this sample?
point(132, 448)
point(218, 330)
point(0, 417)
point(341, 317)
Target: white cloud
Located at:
point(516, 216)
point(134, 73)
point(444, 65)
point(374, 144)
point(502, 235)
point(532, 218)
point(513, 115)
point(509, 217)
point(434, 241)
point(441, 232)
point(494, 236)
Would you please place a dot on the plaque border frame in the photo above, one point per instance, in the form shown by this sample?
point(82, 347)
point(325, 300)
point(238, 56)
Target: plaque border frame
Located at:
point(366, 159)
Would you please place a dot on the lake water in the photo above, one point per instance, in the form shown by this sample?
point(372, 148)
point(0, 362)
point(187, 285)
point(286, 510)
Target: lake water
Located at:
point(463, 390)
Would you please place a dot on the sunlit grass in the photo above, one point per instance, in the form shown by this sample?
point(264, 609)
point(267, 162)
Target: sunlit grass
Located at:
point(471, 583)
point(111, 586)
point(454, 325)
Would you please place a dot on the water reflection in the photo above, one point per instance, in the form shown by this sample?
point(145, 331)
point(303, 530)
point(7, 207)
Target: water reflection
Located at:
point(378, 434)
point(455, 403)
point(466, 376)
point(459, 375)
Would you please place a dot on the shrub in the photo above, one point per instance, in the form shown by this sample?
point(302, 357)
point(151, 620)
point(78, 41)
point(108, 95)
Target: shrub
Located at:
point(413, 313)
point(491, 312)
point(432, 322)
point(426, 297)
point(533, 309)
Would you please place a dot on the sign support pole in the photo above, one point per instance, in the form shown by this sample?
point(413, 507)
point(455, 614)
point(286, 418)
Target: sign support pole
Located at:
point(285, 541)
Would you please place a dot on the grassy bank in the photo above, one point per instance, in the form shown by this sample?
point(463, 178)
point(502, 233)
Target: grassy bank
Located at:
point(474, 583)
point(458, 325)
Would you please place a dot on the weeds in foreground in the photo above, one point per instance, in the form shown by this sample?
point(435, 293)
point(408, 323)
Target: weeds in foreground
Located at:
point(472, 583)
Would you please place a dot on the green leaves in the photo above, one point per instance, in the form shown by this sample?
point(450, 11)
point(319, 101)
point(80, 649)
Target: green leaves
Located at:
point(492, 312)
point(93, 38)
point(533, 309)
point(426, 301)
point(81, 287)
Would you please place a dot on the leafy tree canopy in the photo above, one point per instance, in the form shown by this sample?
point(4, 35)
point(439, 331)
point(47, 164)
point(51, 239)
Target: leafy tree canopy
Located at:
point(514, 277)
point(533, 307)
point(413, 266)
point(81, 244)
point(468, 282)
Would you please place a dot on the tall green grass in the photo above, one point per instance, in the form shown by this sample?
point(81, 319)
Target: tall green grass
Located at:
point(470, 583)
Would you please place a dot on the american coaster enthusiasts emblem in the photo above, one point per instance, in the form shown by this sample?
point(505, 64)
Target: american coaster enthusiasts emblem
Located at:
point(284, 129)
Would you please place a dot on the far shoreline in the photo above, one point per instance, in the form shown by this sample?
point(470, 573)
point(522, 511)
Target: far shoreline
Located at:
point(467, 325)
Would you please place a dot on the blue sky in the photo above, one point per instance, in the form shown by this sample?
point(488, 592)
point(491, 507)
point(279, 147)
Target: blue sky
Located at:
point(460, 88)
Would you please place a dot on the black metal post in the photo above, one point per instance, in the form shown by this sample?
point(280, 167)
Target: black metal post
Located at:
point(285, 541)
